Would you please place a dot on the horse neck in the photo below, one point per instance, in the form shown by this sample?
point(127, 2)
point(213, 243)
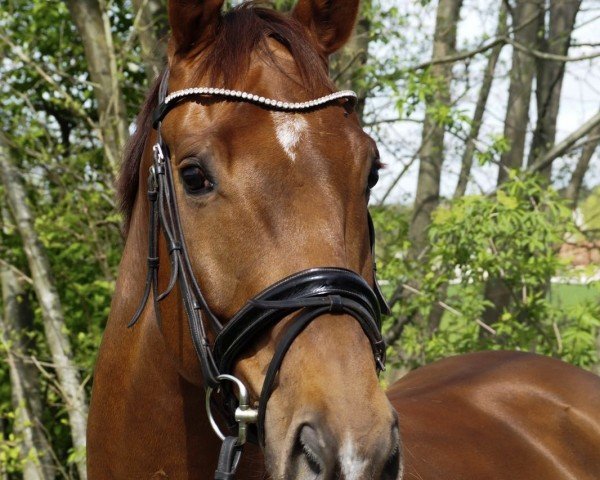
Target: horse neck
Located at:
point(144, 340)
point(136, 372)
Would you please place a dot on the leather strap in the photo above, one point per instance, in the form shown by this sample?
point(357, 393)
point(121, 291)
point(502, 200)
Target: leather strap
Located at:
point(383, 305)
point(229, 458)
point(153, 260)
point(308, 289)
point(314, 292)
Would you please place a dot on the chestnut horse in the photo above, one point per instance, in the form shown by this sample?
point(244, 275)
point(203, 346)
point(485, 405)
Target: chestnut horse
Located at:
point(249, 193)
point(246, 211)
point(499, 415)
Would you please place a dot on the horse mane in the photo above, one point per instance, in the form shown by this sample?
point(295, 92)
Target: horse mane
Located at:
point(241, 31)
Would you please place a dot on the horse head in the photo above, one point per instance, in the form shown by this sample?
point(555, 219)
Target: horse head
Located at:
point(268, 174)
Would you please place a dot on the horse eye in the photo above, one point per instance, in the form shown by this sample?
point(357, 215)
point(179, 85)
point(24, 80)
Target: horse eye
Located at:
point(373, 177)
point(196, 181)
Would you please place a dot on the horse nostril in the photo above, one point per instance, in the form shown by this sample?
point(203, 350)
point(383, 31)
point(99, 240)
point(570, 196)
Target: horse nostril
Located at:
point(391, 469)
point(311, 447)
point(393, 465)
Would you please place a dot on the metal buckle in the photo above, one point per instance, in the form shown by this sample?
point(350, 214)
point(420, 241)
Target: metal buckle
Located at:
point(153, 178)
point(380, 363)
point(244, 414)
point(159, 157)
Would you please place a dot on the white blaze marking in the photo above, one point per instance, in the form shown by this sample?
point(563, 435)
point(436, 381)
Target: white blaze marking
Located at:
point(352, 466)
point(288, 129)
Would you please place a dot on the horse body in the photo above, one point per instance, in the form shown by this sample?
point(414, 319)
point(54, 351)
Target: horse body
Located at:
point(499, 416)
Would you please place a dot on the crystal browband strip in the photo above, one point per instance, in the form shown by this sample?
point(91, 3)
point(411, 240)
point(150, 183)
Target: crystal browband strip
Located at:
point(237, 94)
point(171, 99)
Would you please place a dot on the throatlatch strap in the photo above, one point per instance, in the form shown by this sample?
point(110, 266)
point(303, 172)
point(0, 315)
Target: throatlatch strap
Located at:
point(152, 267)
point(383, 305)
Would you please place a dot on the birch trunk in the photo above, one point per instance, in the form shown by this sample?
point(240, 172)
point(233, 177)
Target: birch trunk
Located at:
point(24, 379)
point(54, 325)
point(528, 16)
point(566, 143)
point(91, 19)
point(574, 187)
point(432, 141)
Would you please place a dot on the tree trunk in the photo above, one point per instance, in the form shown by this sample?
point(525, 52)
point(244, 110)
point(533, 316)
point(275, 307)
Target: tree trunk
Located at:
point(346, 66)
point(91, 19)
point(480, 106)
point(574, 187)
point(151, 27)
point(3, 435)
point(54, 323)
point(432, 148)
point(527, 19)
point(432, 141)
point(550, 75)
point(17, 318)
point(566, 143)
point(528, 16)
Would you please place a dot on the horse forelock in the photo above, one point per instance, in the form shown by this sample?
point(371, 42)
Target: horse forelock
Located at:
point(241, 32)
point(245, 30)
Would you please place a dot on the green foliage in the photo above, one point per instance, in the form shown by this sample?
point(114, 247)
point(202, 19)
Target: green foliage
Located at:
point(511, 236)
point(12, 454)
point(283, 5)
point(580, 332)
point(50, 120)
point(499, 145)
point(382, 26)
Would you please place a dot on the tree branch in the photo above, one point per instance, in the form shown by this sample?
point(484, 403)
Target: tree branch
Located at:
point(503, 41)
point(565, 145)
point(550, 56)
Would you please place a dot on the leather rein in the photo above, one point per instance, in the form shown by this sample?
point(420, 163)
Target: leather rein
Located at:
point(311, 293)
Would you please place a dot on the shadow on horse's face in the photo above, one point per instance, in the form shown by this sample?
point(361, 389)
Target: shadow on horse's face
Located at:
point(263, 194)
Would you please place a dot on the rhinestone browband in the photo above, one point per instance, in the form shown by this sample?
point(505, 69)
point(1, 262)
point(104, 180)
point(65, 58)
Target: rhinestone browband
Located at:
point(237, 94)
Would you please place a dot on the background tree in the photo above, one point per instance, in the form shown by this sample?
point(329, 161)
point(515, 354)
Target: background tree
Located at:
point(434, 127)
point(151, 27)
point(52, 312)
point(27, 401)
point(93, 25)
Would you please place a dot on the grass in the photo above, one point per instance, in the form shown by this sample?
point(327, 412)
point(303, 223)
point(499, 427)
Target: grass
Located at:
point(569, 295)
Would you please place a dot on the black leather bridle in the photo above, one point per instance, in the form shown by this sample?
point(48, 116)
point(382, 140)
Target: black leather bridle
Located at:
point(311, 293)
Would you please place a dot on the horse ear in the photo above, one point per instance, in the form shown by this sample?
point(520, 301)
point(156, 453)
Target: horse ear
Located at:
point(193, 21)
point(330, 21)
